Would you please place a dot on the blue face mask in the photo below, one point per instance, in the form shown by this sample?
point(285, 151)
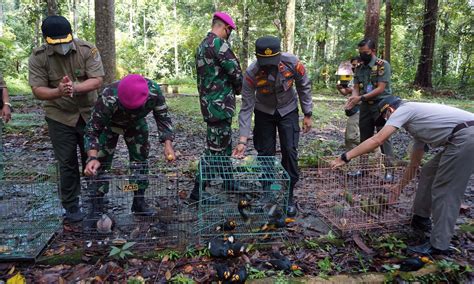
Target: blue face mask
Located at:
point(62, 49)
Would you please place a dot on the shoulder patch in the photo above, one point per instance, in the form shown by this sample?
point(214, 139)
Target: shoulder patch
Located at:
point(300, 68)
point(95, 54)
point(381, 70)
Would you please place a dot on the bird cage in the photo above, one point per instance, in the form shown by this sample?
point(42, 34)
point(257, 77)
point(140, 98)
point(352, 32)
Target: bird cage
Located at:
point(110, 194)
point(255, 211)
point(30, 211)
point(357, 197)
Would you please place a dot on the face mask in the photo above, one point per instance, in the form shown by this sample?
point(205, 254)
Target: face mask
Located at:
point(365, 58)
point(269, 69)
point(62, 49)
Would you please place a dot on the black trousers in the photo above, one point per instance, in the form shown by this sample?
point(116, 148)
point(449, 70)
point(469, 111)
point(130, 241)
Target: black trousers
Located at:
point(264, 136)
point(65, 140)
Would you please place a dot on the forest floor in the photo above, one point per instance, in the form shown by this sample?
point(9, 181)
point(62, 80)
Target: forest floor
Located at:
point(318, 249)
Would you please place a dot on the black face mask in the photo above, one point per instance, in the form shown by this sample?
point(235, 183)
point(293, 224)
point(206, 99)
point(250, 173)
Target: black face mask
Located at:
point(365, 58)
point(269, 69)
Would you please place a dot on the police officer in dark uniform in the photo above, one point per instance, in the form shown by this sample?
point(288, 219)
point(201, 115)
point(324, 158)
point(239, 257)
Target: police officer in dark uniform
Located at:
point(269, 91)
point(371, 84)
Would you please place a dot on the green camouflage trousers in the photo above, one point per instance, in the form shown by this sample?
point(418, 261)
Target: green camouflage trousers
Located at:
point(136, 139)
point(219, 138)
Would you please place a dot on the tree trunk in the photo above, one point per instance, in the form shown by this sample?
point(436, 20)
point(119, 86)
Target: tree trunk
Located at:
point(290, 26)
point(444, 49)
point(425, 64)
point(105, 36)
point(175, 42)
point(245, 37)
point(1, 19)
point(388, 29)
point(372, 18)
point(52, 7)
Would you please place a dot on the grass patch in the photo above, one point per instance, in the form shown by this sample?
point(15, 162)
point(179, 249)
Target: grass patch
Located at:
point(71, 258)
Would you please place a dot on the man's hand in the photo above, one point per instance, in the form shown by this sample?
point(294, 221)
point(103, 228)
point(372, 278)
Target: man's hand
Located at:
point(65, 87)
point(307, 123)
point(352, 101)
point(337, 163)
point(169, 152)
point(92, 167)
point(239, 151)
point(394, 193)
point(6, 113)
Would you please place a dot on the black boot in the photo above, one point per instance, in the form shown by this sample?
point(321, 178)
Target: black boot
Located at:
point(206, 197)
point(291, 210)
point(421, 223)
point(139, 206)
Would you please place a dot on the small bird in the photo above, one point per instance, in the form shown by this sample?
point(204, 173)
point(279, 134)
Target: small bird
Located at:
point(237, 249)
point(135, 233)
point(242, 206)
point(229, 238)
point(223, 272)
point(104, 224)
point(275, 212)
point(229, 225)
point(219, 248)
point(281, 262)
point(240, 276)
point(276, 224)
point(413, 264)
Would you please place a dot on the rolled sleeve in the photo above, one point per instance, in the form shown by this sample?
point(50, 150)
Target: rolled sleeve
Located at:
point(303, 87)
point(248, 105)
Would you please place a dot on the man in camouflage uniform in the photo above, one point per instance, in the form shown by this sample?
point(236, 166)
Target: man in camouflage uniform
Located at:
point(269, 92)
point(219, 80)
point(373, 77)
point(65, 73)
point(121, 110)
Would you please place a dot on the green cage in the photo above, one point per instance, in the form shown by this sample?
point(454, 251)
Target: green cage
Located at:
point(30, 210)
point(262, 182)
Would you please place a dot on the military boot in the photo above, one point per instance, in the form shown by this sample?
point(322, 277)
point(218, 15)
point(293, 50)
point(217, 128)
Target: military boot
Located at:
point(291, 210)
point(139, 205)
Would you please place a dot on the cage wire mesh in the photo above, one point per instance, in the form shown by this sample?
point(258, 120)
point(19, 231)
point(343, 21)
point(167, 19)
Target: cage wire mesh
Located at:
point(356, 202)
point(30, 211)
point(263, 189)
point(111, 194)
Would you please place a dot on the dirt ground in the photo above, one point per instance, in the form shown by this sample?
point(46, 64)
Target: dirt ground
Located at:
point(311, 242)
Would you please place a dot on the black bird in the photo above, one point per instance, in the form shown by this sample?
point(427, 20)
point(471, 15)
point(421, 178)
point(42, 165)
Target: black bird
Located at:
point(229, 225)
point(275, 212)
point(242, 206)
point(281, 262)
point(237, 249)
point(223, 272)
point(240, 276)
point(219, 248)
point(413, 264)
point(273, 224)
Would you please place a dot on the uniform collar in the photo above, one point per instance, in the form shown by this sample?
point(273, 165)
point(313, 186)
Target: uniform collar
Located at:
point(372, 61)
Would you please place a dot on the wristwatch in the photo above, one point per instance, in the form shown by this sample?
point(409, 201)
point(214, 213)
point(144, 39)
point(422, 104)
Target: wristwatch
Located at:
point(344, 157)
point(91, 159)
point(309, 114)
point(8, 104)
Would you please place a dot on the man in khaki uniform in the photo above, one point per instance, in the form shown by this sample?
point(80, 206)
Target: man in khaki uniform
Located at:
point(5, 111)
point(66, 73)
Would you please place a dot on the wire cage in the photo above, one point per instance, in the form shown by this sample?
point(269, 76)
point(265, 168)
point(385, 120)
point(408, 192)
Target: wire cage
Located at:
point(358, 196)
point(111, 193)
point(30, 210)
point(246, 194)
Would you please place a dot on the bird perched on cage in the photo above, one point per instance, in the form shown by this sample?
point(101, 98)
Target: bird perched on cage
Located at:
point(228, 225)
point(413, 263)
point(223, 272)
point(105, 224)
point(242, 207)
point(281, 262)
point(240, 276)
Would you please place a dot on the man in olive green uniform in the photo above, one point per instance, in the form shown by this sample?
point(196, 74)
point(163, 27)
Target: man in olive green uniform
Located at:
point(66, 73)
point(371, 85)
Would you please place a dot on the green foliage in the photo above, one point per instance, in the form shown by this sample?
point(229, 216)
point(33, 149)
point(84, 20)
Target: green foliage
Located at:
point(312, 153)
point(121, 252)
point(181, 279)
point(254, 273)
point(391, 244)
point(325, 267)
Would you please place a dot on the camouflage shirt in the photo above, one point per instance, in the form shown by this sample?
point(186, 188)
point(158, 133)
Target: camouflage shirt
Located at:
point(109, 112)
point(219, 78)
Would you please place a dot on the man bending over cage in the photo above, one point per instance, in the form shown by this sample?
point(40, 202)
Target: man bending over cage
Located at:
point(121, 110)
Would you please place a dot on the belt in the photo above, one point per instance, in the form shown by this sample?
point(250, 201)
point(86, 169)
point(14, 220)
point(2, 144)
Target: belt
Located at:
point(462, 126)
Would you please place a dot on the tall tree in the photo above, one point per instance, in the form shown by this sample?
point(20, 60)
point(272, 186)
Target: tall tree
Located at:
point(290, 26)
point(425, 63)
point(388, 29)
point(245, 36)
point(175, 42)
point(52, 7)
point(372, 18)
point(105, 36)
